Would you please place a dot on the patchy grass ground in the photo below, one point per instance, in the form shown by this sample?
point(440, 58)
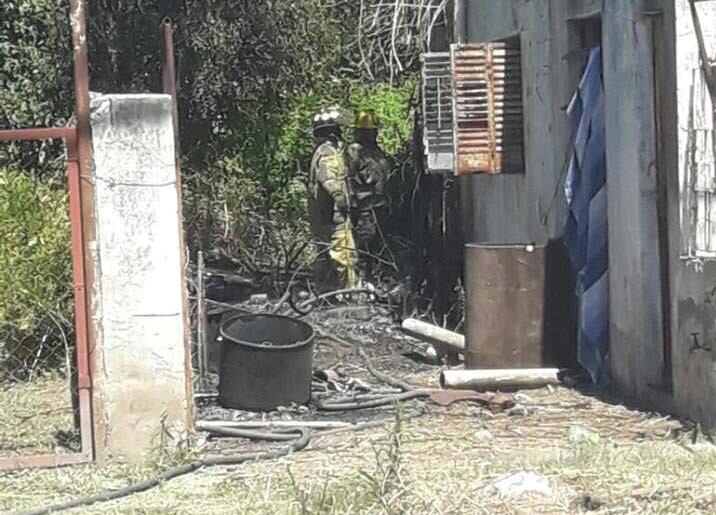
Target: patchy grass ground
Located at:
point(31, 413)
point(596, 457)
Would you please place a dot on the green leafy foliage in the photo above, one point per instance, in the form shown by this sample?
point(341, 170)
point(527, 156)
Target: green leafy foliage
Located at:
point(250, 76)
point(35, 78)
point(35, 270)
point(35, 73)
point(392, 104)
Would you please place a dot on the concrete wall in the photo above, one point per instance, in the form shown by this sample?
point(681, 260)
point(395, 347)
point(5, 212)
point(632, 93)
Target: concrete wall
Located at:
point(635, 282)
point(694, 278)
point(529, 207)
point(142, 381)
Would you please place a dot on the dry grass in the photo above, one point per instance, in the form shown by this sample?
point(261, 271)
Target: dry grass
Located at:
point(443, 463)
point(31, 413)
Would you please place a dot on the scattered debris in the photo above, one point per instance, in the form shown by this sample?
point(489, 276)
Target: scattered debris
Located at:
point(580, 434)
point(588, 503)
point(483, 435)
point(523, 398)
point(432, 355)
point(258, 299)
point(495, 401)
point(335, 379)
point(520, 410)
point(522, 483)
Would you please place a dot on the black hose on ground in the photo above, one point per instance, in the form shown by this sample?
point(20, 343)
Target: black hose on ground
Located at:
point(236, 459)
point(172, 473)
point(409, 392)
point(370, 403)
point(278, 435)
point(384, 377)
point(355, 427)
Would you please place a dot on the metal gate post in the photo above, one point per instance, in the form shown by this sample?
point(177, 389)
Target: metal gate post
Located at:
point(86, 454)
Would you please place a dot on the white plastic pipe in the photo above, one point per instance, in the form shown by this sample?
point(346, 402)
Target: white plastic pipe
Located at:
point(520, 378)
point(441, 338)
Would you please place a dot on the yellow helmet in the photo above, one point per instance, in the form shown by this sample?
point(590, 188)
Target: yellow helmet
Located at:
point(366, 119)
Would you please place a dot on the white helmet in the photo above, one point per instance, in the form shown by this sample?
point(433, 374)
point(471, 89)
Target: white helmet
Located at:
point(327, 117)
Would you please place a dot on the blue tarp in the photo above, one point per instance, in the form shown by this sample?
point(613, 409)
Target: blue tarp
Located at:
point(586, 230)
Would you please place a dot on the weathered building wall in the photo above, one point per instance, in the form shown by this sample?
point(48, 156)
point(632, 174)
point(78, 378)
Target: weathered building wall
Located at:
point(694, 268)
point(531, 207)
point(635, 285)
point(528, 207)
point(142, 376)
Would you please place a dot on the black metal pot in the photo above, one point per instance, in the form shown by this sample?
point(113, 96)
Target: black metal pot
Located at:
point(267, 362)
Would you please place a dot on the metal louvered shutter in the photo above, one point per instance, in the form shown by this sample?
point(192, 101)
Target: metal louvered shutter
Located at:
point(487, 105)
point(437, 112)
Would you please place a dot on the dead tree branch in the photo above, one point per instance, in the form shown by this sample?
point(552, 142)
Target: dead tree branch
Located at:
point(706, 64)
point(392, 35)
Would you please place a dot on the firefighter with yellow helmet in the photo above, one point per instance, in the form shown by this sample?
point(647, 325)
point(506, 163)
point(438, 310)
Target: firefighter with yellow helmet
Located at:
point(367, 169)
point(329, 204)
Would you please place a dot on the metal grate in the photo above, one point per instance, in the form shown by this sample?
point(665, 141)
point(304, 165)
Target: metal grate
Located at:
point(437, 112)
point(487, 105)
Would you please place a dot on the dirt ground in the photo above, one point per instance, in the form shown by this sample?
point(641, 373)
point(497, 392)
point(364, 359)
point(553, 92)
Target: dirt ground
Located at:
point(580, 453)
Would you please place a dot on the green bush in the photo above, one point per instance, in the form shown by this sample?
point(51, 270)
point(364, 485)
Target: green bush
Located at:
point(35, 273)
point(35, 80)
point(262, 170)
point(392, 104)
point(251, 74)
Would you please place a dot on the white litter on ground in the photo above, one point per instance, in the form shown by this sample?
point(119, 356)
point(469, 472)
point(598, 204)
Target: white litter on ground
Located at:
point(521, 483)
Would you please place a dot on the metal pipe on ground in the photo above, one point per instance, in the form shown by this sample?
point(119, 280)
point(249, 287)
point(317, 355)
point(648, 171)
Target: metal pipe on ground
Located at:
point(437, 336)
point(499, 379)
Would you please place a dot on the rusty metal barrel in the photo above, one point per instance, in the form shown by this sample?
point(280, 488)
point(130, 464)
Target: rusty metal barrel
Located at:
point(504, 312)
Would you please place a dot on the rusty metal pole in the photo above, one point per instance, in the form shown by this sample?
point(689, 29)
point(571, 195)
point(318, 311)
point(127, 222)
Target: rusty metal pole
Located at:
point(169, 87)
point(201, 351)
point(78, 24)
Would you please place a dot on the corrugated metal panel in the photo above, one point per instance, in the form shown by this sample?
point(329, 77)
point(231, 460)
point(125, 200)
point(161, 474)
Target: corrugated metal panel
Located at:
point(487, 106)
point(437, 112)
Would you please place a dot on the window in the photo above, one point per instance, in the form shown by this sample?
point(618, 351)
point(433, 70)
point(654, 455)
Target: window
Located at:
point(700, 177)
point(487, 107)
point(585, 33)
point(697, 124)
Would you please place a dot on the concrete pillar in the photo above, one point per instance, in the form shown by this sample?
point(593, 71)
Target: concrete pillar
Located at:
point(142, 379)
point(635, 330)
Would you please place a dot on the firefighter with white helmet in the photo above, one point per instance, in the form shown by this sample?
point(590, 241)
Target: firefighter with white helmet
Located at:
point(329, 204)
